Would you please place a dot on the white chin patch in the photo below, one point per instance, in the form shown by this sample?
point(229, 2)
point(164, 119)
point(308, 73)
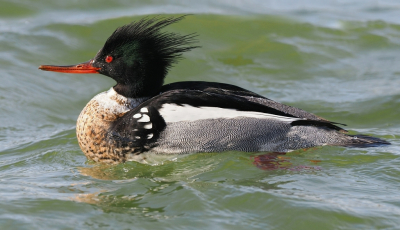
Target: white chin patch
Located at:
point(176, 113)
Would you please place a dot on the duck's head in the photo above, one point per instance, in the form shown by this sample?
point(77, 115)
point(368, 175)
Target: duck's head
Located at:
point(137, 56)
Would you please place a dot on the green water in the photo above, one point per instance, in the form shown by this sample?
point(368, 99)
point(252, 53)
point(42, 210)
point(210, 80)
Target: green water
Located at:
point(337, 59)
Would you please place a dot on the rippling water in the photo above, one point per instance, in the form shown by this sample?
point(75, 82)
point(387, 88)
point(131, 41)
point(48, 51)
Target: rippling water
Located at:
point(337, 59)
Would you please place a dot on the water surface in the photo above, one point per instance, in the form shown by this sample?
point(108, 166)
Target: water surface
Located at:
point(337, 59)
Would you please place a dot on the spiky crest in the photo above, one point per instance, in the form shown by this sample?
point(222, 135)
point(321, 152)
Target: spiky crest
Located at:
point(142, 55)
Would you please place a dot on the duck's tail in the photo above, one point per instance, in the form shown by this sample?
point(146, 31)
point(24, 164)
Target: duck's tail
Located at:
point(325, 130)
point(363, 141)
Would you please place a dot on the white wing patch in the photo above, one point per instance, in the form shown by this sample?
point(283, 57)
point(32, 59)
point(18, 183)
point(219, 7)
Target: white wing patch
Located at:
point(148, 126)
point(138, 115)
point(176, 113)
point(144, 110)
point(145, 118)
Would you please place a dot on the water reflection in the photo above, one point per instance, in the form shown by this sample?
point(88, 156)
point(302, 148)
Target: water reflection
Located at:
point(142, 189)
point(278, 160)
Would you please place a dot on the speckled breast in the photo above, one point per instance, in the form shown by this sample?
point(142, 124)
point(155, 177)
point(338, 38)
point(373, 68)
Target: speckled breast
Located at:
point(93, 125)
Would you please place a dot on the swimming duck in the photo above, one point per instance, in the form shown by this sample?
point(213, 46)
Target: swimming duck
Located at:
point(141, 115)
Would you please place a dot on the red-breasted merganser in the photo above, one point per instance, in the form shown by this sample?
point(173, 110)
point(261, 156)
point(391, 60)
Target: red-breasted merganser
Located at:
point(140, 114)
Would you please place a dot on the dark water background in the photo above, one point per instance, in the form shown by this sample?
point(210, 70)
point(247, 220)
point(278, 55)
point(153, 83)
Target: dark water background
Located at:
point(337, 59)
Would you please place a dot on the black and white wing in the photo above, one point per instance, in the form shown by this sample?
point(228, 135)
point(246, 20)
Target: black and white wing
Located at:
point(235, 91)
point(197, 116)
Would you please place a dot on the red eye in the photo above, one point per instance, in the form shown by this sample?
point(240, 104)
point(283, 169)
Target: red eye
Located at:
point(109, 59)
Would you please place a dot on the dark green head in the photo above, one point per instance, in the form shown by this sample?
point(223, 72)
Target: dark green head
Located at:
point(137, 56)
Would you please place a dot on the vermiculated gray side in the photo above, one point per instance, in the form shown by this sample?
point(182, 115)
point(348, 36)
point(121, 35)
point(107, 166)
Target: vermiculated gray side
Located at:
point(244, 134)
